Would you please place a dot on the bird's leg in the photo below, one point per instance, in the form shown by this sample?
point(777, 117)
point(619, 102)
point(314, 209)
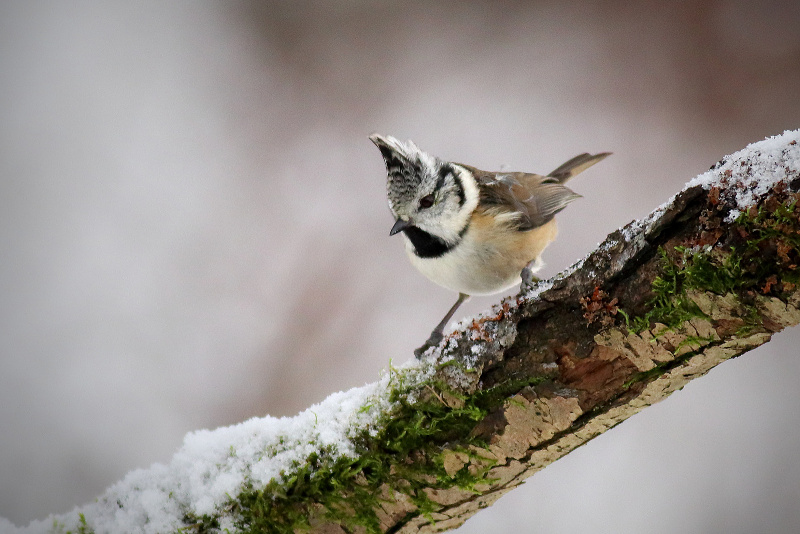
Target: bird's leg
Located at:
point(437, 334)
point(528, 279)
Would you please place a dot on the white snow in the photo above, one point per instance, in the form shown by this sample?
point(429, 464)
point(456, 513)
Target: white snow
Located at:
point(750, 173)
point(754, 170)
point(213, 465)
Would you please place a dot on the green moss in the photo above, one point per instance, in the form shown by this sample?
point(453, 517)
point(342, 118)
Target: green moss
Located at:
point(752, 321)
point(744, 266)
point(644, 376)
point(407, 455)
point(669, 304)
point(761, 256)
point(780, 223)
point(82, 528)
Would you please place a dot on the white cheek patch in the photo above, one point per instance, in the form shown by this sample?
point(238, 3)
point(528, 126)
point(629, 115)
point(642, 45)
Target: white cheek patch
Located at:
point(452, 221)
point(471, 193)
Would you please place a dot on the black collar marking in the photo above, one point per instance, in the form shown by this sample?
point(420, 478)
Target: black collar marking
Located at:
point(428, 245)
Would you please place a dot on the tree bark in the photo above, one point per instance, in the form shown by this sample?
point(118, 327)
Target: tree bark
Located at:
point(731, 285)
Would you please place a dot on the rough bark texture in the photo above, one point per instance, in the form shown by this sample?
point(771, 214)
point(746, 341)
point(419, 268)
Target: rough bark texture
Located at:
point(596, 369)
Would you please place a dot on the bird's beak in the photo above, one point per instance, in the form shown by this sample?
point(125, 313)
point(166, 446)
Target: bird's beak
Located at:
point(399, 226)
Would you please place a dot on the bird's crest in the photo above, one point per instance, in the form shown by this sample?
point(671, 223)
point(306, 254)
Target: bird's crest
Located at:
point(406, 167)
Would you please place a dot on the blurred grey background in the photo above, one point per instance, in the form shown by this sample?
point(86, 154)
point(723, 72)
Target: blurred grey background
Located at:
point(193, 228)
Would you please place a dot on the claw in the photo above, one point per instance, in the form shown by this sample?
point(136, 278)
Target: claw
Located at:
point(433, 341)
point(529, 281)
point(437, 335)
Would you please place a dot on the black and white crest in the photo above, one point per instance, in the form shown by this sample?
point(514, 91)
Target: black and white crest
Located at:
point(407, 167)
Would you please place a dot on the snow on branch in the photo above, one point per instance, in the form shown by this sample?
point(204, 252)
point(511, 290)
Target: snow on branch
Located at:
point(706, 277)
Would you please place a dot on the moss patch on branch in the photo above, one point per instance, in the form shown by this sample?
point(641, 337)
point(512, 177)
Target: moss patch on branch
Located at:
point(759, 255)
point(408, 456)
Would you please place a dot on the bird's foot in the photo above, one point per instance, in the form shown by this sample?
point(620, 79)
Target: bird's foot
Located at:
point(433, 341)
point(529, 281)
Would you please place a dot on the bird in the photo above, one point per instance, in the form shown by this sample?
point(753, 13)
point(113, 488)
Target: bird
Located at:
point(471, 231)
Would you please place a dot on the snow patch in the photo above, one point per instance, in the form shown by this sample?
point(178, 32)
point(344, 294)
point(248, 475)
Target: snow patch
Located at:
point(753, 171)
point(213, 466)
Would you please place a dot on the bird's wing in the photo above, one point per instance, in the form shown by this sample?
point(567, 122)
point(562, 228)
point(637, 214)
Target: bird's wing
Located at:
point(534, 197)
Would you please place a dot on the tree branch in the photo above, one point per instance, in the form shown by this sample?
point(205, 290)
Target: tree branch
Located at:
point(708, 276)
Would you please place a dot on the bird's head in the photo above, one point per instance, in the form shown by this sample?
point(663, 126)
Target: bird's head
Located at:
point(425, 192)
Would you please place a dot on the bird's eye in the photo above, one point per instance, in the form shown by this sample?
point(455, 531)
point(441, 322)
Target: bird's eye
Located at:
point(426, 201)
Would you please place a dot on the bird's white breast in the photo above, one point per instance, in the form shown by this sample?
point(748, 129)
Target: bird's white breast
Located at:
point(490, 257)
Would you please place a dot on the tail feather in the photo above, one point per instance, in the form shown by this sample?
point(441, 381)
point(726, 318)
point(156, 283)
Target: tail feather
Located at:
point(576, 165)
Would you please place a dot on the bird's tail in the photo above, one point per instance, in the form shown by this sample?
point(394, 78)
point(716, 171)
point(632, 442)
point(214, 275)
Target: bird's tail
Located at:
point(576, 165)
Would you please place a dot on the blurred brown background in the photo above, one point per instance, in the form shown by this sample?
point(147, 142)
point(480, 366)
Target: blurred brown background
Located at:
point(194, 231)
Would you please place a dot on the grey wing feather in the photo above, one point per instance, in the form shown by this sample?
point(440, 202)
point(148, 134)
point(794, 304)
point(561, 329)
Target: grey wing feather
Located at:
point(534, 197)
point(545, 200)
